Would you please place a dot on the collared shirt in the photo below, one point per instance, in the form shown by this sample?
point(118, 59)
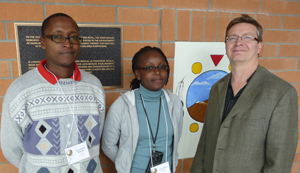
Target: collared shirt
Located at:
point(50, 78)
point(230, 99)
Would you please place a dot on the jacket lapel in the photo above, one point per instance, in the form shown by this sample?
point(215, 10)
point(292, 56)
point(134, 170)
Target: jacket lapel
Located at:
point(222, 88)
point(248, 94)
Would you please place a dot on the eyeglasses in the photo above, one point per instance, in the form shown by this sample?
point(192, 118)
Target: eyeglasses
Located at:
point(62, 39)
point(245, 38)
point(153, 68)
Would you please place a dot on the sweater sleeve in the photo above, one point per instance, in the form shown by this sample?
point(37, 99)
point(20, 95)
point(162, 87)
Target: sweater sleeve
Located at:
point(11, 135)
point(112, 131)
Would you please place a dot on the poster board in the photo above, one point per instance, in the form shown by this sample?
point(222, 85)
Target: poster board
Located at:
point(197, 66)
point(100, 52)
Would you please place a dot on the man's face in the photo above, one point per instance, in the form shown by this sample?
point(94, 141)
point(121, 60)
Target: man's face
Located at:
point(60, 54)
point(245, 52)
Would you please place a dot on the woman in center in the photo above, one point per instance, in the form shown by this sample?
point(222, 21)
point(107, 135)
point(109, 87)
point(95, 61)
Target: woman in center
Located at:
point(143, 126)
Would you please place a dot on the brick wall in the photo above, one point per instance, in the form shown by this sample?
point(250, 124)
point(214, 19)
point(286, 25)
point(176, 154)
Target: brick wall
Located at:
point(161, 23)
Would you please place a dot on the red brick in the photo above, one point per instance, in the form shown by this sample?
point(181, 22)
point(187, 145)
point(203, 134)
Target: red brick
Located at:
point(138, 15)
point(297, 86)
point(132, 32)
point(127, 67)
point(235, 15)
point(8, 50)
point(21, 12)
point(94, 14)
point(298, 147)
point(272, 36)
point(15, 68)
point(10, 30)
point(295, 168)
point(197, 26)
point(280, 7)
point(179, 166)
point(289, 76)
point(1, 102)
point(109, 89)
point(130, 49)
point(170, 83)
point(151, 33)
point(126, 82)
point(171, 64)
point(224, 19)
point(269, 21)
point(210, 26)
point(109, 169)
point(168, 20)
point(8, 168)
point(186, 4)
point(187, 163)
point(111, 97)
point(289, 50)
point(5, 83)
point(2, 158)
point(183, 25)
point(297, 158)
point(269, 50)
point(291, 22)
point(61, 1)
point(298, 69)
point(105, 160)
point(2, 30)
point(4, 70)
point(168, 49)
point(234, 5)
point(279, 63)
point(140, 3)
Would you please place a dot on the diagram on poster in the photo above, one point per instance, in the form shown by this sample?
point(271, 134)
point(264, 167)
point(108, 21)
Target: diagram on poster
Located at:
point(198, 65)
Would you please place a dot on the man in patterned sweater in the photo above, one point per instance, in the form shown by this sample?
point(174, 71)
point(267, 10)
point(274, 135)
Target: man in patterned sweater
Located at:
point(53, 108)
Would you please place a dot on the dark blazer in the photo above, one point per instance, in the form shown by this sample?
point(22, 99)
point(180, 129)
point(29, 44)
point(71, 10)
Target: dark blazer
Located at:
point(259, 134)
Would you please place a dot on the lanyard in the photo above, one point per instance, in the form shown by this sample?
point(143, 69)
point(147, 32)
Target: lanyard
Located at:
point(148, 124)
point(72, 110)
point(154, 139)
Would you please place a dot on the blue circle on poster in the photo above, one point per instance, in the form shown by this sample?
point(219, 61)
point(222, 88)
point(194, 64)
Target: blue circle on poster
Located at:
point(199, 89)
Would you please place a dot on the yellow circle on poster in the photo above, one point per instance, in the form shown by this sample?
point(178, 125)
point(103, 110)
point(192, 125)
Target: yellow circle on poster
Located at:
point(229, 67)
point(197, 67)
point(194, 127)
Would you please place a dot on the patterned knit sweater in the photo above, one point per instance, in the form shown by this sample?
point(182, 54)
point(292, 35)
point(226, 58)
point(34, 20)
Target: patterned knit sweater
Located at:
point(37, 120)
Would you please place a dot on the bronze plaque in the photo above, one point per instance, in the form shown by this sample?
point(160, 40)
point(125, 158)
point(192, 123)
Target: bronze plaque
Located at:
point(100, 52)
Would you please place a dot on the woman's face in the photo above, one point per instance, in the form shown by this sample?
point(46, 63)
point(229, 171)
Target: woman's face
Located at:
point(151, 80)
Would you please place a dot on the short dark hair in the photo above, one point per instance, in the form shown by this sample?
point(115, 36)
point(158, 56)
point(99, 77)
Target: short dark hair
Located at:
point(246, 19)
point(46, 22)
point(135, 83)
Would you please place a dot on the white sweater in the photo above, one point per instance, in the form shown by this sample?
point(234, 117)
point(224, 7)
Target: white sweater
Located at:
point(121, 126)
point(36, 121)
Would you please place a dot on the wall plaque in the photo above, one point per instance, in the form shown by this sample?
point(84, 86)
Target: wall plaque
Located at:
point(100, 52)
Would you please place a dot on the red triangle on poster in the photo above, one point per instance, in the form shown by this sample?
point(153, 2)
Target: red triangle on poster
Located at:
point(216, 59)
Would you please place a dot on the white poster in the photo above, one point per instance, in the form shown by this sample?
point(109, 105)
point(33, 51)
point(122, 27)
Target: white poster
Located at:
point(198, 65)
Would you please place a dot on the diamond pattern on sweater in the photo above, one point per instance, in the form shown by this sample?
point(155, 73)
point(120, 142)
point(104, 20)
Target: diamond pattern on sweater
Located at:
point(43, 170)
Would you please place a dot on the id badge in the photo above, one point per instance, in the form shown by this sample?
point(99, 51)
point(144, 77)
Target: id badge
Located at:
point(77, 153)
point(161, 168)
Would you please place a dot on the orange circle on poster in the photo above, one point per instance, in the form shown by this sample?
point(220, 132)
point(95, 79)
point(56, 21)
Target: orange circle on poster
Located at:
point(196, 67)
point(194, 127)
